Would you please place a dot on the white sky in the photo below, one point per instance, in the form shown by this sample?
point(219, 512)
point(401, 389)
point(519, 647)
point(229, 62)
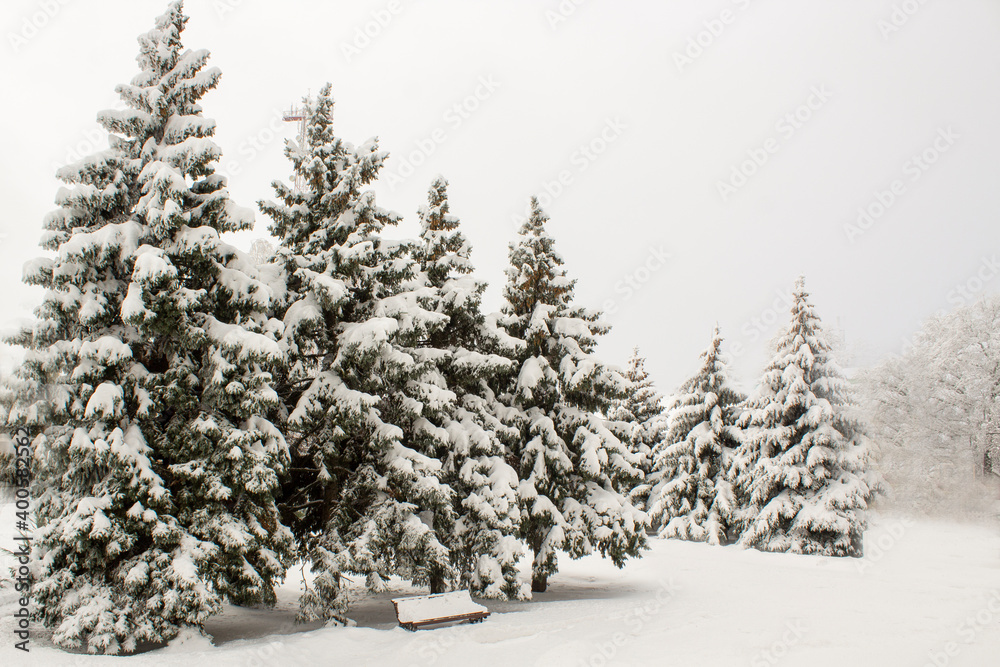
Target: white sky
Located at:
point(675, 132)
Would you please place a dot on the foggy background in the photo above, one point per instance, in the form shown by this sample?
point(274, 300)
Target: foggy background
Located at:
point(623, 117)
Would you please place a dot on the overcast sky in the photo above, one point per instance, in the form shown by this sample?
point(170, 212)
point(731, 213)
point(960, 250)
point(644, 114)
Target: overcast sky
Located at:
point(695, 157)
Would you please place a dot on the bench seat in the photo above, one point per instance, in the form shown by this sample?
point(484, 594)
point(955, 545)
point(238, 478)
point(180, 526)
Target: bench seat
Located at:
point(424, 610)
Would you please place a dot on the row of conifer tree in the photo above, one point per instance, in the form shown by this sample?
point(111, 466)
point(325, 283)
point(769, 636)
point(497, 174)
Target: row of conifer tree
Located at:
point(201, 423)
point(788, 468)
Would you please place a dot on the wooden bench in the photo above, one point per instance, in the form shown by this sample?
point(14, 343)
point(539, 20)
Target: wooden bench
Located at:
point(423, 610)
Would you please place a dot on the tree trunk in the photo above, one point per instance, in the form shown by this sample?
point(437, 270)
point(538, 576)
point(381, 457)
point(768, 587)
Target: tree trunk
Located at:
point(437, 583)
point(539, 581)
point(858, 544)
point(330, 493)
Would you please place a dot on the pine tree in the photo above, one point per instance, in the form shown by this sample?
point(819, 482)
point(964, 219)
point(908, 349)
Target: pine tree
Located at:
point(643, 418)
point(800, 473)
point(146, 378)
point(485, 549)
point(364, 408)
point(572, 467)
point(690, 495)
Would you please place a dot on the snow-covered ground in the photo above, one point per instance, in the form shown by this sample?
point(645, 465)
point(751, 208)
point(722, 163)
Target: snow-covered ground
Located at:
point(923, 591)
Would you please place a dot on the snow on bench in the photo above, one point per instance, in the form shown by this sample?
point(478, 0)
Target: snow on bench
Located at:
point(416, 612)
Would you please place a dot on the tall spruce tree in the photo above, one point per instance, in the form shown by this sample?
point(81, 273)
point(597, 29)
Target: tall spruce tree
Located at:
point(691, 497)
point(480, 431)
point(643, 421)
point(146, 380)
point(365, 412)
point(800, 473)
point(572, 467)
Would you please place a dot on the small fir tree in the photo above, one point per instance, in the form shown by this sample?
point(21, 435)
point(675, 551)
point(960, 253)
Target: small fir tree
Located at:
point(480, 431)
point(643, 421)
point(800, 473)
point(572, 467)
point(690, 495)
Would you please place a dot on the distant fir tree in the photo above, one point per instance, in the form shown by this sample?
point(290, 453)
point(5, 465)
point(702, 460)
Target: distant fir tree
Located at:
point(573, 469)
point(644, 421)
point(146, 379)
point(800, 473)
point(365, 410)
point(691, 498)
point(479, 430)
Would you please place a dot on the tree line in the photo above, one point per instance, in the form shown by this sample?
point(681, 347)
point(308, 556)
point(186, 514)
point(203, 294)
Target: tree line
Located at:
point(201, 422)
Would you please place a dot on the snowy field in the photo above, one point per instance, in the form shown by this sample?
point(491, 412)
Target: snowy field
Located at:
point(923, 590)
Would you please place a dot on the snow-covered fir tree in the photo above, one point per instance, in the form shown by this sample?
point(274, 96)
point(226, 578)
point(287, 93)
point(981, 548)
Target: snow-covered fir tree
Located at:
point(690, 496)
point(480, 430)
point(146, 378)
point(643, 420)
point(800, 474)
point(572, 467)
point(365, 407)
